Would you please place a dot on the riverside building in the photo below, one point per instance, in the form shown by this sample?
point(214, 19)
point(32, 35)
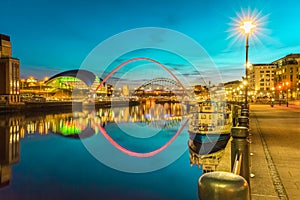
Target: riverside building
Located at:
point(9, 73)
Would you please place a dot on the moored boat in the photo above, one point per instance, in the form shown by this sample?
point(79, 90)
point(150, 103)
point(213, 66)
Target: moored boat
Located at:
point(209, 130)
point(209, 117)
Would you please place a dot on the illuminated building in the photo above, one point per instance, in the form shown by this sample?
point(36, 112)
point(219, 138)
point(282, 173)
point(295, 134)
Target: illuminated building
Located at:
point(79, 82)
point(76, 84)
point(261, 79)
point(232, 90)
point(288, 71)
point(9, 73)
point(201, 92)
point(125, 90)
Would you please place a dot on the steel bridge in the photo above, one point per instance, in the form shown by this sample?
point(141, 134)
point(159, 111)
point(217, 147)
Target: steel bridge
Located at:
point(160, 87)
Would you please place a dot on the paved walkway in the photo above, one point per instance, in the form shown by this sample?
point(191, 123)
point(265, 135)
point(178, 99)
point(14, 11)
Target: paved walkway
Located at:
point(275, 145)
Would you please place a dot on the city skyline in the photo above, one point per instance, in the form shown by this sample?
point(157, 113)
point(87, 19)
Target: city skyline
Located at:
point(51, 37)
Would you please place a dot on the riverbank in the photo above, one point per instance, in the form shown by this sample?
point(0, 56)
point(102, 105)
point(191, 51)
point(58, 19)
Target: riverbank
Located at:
point(67, 106)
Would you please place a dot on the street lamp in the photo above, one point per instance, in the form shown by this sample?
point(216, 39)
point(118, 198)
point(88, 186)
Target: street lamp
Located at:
point(279, 94)
point(287, 94)
point(247, 27)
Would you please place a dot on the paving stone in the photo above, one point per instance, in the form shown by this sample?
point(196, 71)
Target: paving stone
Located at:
point(280, 130)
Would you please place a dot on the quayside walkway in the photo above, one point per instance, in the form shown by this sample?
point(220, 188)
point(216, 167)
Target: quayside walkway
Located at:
point(275, 152)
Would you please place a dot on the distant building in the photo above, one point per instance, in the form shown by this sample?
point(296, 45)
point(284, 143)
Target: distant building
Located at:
point(287, 78)
point(125, 91)
point(261, 80)
point(233, 90)
point(201, 92)
point(9, 73)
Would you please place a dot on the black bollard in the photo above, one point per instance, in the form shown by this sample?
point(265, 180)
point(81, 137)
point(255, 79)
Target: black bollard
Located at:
point(245, 113)
point(240, 146)
point(243, 121)
point(235, 114)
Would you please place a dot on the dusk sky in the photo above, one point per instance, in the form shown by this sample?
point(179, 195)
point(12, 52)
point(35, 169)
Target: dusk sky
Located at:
point(50, 36)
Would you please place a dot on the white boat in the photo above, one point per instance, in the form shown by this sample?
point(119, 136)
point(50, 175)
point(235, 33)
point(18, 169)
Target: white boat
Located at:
point(209, 117)
point(209, 130)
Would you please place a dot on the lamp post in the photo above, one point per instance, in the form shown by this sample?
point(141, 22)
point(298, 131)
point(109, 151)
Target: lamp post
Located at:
point(287, 94)
point(279, 94)
point(247, 27)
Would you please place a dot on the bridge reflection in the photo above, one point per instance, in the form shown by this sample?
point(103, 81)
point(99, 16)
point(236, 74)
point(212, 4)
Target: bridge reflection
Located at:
point(85, 123)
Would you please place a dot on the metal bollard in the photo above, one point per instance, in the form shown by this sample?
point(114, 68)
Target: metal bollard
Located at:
point(235, 114)
point(245, 113)
point(222, 186)
point(245, 106)
point(240, 146)
point(243, 121)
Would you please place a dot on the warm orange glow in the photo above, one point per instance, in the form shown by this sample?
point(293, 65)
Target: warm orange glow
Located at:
point(248, 26)
point(248, 65)
point(247, 22)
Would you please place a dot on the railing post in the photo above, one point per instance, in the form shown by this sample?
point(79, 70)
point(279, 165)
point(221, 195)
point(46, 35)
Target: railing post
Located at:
point(222, 186)
point(245, 113)
point(235, 114)
point(240, 146)
point(243, 121)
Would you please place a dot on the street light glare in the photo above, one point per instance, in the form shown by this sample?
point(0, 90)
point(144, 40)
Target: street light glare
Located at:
point(248, 22)
point(248, 26)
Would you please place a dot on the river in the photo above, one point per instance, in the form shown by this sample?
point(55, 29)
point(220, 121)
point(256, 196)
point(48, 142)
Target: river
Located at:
point(137, 152)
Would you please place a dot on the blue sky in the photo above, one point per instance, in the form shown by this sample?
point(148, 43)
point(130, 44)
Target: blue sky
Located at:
point(50, 36)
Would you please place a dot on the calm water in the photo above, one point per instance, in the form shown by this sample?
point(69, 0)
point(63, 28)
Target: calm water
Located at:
point(47, 156)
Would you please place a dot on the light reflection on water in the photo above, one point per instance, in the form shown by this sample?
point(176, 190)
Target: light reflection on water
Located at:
point(72, 124)
point(43, 165)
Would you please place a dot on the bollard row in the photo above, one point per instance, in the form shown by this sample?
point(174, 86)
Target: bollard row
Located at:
point(226, 185)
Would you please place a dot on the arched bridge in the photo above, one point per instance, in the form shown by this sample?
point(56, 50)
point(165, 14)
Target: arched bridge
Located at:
point(160, 87)
point(162, 83)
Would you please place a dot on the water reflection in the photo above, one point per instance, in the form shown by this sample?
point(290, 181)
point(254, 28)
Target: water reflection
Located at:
point(203, 150)
point(84, 124)
point(9, 147)
point(77, 125)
